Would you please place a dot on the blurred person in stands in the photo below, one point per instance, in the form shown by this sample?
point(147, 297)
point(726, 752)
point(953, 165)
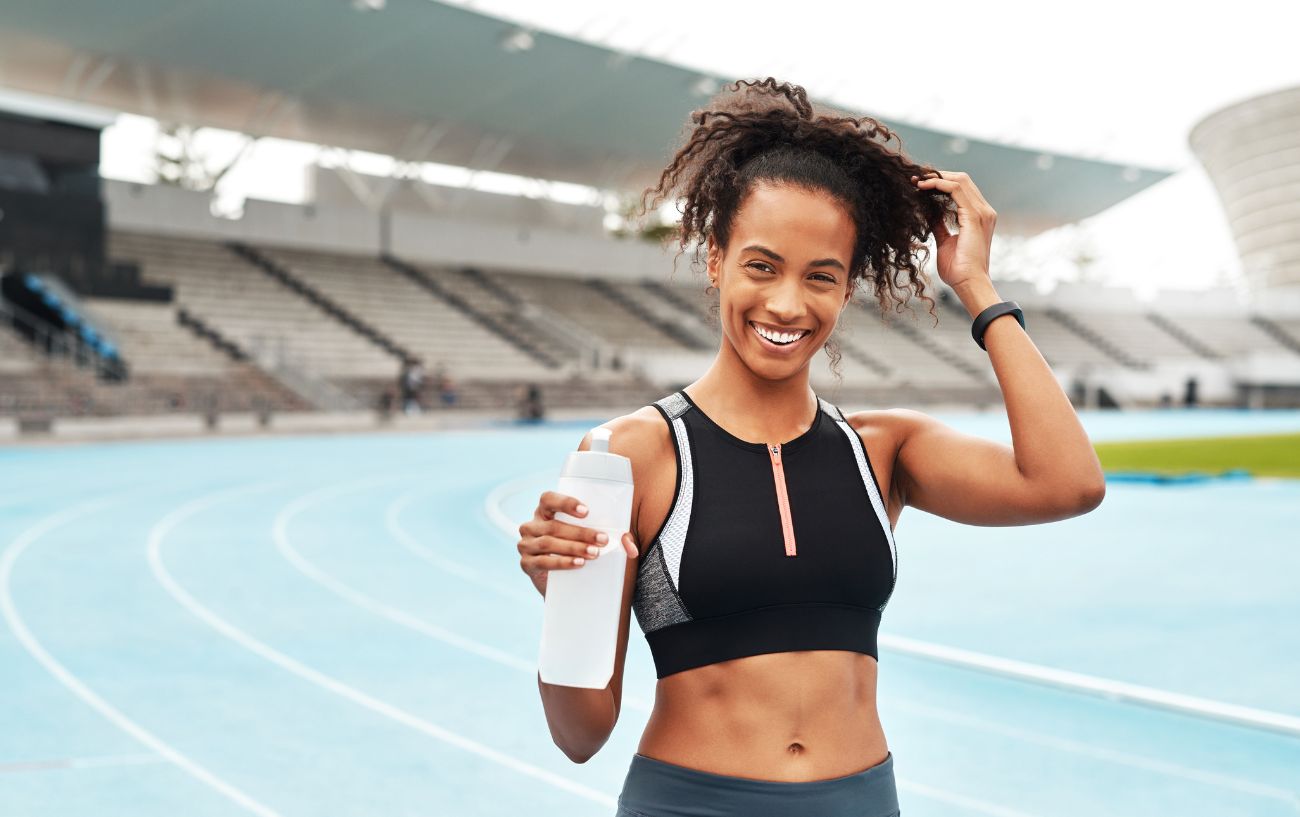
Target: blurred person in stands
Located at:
point(445, 385)
point(530, 403)
point(761, 553)
point(412, 380)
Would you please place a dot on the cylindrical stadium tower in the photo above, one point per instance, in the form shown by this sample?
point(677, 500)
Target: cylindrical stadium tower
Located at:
point(1251, 151)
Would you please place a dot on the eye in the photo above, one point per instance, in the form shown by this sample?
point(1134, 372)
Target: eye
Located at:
point(821, 276)
point(755, 264)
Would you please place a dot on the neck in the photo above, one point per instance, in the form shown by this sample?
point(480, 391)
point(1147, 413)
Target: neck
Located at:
point(737, 398)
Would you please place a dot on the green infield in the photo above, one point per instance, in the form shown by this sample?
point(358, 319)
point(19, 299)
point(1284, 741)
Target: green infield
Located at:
point(1272, 455)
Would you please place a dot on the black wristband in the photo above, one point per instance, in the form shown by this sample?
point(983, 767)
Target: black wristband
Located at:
point(983, 319)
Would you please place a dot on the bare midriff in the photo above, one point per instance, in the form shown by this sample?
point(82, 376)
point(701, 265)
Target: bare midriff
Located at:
point(790, 717)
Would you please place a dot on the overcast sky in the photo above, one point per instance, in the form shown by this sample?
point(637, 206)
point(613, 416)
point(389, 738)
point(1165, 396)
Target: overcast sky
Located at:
point(1122, 81)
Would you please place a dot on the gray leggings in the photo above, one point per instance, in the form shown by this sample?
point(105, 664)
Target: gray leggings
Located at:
point(655, 788)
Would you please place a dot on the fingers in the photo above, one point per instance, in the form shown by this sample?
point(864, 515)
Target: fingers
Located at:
point(960, 186)
point(537, 565)
point(972, 209)
point(546, 543)
point(563, 530)
point(553, 501)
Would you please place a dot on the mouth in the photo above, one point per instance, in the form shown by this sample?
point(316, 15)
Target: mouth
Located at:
point(779, 341)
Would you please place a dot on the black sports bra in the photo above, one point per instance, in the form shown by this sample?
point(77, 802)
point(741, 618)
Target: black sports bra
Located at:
point(767, 547)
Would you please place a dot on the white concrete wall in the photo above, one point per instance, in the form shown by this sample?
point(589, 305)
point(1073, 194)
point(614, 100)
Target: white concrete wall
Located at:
point(173, 211)
point(526, 249)
point(416, 236)
point(328, 188)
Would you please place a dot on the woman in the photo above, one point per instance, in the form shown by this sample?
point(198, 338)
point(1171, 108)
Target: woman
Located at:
point(761, 550)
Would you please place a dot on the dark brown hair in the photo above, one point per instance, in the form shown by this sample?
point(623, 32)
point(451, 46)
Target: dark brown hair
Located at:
point(765, 131)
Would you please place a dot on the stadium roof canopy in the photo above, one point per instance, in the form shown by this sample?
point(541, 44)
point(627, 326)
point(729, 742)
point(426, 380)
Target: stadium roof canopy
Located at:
point(424, 81)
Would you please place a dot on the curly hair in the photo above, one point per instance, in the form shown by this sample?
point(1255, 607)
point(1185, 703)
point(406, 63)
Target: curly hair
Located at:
point(766, 131)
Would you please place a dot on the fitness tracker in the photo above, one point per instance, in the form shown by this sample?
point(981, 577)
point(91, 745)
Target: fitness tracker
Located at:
point(984, 318)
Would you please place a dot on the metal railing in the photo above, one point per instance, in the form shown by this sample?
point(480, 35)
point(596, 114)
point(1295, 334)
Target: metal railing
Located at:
point(56, 343)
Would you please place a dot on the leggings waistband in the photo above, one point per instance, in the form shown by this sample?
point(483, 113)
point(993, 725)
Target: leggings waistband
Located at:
point(656, 788)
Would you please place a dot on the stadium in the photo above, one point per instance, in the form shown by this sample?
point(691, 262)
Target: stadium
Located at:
point(264, 462)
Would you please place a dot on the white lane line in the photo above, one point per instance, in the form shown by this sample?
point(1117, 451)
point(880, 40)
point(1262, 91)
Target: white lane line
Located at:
point(284, 544)
point(427, 555)
point(280, 533)
point(1150, 764)
point(961, 800)
point(327, 682)
point(1101, 687)
point(33, 646)
point(496, 499)
point(92, 762)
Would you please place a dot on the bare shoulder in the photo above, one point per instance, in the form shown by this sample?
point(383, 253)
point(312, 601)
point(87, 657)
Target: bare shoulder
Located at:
point(890, 426)
point(883, 432)
point(641, 435)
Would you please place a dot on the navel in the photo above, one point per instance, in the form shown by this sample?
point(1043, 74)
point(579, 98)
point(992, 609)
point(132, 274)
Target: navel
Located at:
point(795, 748)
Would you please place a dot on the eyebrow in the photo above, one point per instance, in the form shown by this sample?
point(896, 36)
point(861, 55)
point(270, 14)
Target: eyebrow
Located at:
point(821, 262)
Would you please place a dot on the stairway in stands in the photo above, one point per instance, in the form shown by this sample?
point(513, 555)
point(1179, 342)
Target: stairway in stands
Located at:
point(929, 344)
point(208, 333)
point(326, 304)
point(514, 329)
point(1087, 333)
point(937, 349)
point(1277, 333)
point(665, 327)
point(692, 307)
point(1183, 337)
point(277, 392)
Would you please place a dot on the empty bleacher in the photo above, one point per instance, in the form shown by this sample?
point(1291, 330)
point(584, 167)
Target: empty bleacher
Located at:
point(325, 314)
point(429, 327)
point(580, 303)
point(152, 340)
point(1227, 335)
point(269, 321)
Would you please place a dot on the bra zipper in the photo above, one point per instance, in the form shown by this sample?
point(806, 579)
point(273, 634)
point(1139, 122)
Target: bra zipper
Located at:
point(782, 498)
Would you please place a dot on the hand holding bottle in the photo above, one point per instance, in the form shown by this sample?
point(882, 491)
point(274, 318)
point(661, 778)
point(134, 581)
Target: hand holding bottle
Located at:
point(547, 543)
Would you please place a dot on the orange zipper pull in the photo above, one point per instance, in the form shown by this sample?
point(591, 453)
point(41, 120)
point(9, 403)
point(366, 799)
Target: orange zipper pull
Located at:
point(782, 498)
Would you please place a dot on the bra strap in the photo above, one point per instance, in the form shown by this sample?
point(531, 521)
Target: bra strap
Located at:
point(673, 406)
point(830, 408)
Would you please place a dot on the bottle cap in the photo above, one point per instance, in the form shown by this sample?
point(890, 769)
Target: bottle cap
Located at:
point(598, 462)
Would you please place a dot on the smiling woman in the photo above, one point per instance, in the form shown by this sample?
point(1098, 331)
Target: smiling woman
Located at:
point(762, 552)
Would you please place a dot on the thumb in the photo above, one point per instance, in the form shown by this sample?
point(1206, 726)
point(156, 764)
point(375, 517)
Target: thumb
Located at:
point(630, 544)
point(939, 227)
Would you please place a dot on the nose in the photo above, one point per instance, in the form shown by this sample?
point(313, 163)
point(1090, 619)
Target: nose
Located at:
point(786, 300)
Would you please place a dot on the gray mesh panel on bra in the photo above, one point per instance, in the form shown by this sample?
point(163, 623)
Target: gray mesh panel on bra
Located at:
point(674, 405)
point(656, 602)
point(855, 442)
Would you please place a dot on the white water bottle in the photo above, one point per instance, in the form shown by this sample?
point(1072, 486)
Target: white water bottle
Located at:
point(580, 622)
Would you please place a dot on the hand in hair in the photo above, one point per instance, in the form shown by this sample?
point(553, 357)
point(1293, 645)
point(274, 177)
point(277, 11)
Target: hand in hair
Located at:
point(962, 257)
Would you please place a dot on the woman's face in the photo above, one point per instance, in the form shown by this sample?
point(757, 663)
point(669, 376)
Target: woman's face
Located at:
point(784, 271)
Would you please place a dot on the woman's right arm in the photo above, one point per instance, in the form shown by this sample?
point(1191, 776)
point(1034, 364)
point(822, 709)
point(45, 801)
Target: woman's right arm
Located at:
point(580, 719)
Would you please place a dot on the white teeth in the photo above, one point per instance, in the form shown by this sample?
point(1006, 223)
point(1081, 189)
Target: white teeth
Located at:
point(778, 337)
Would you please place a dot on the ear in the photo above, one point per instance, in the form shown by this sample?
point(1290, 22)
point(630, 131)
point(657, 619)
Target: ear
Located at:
point(713, 259)
point(848, 293)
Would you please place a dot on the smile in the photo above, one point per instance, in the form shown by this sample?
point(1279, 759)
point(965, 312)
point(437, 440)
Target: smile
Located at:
point(779, 340)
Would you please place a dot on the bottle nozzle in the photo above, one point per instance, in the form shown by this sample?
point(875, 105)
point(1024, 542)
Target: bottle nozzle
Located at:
point(600, 438)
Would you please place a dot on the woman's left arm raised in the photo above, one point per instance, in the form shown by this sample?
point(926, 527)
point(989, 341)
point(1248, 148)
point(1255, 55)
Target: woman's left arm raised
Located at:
point(1050, 471)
